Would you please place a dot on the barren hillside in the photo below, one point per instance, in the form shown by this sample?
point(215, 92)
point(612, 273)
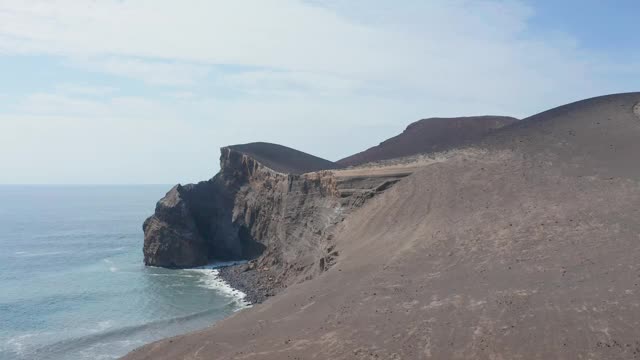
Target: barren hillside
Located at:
point(523, 247)
point(429, 136)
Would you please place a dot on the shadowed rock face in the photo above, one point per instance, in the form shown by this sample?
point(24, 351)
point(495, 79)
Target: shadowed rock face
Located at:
point(431, 135)
point(523, 247)
point(172, 238)
point(192, 224)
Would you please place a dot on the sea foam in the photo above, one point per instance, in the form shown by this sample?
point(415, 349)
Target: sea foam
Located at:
point(211, 280)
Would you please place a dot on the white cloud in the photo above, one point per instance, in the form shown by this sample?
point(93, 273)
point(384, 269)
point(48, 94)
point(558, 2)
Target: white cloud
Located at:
point(290, 83)
point(329, 77)
point(69, 104)
point(182, 95)
point(466, 50)
point(59, 104)
point(151, 72)
point(78, 89)
point(268, 33)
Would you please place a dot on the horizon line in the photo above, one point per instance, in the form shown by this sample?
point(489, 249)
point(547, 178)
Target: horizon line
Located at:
point(85, 184)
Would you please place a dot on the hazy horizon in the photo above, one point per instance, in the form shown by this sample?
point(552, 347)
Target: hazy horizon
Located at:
point(137, 92)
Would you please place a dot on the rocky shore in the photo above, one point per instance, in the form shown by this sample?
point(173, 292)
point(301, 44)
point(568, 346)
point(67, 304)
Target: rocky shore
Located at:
point(255, 285)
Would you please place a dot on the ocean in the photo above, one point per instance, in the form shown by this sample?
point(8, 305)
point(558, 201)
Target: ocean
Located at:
point(72, 281)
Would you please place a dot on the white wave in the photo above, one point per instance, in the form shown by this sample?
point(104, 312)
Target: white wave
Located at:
point(17, 344)
point(116, 341)
point(211, 280)
point(105, 351)
point(172, 275)
point(50, 253)
point(103, 325)
point(111, 267)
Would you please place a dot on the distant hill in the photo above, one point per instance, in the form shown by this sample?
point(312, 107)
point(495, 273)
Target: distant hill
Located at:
point(430, 135)
point(595, 136)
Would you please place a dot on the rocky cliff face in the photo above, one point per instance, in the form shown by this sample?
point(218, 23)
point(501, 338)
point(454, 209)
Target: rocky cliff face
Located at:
point(283, 222)
point(243, 210)
point(290, 216)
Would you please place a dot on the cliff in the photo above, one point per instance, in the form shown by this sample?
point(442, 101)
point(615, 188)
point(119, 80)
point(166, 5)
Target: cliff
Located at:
point(220, 219)
point(284, 221)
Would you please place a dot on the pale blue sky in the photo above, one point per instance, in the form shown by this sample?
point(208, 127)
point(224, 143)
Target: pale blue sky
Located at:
point(140, 91)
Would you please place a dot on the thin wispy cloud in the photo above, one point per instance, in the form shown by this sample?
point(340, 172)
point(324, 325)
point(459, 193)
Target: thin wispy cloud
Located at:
point(150, 72)
point(448, 43)
point(325, 72)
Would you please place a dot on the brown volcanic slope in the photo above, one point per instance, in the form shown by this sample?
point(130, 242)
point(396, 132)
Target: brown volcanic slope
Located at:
point(283, 159)
point(430, 135)
point(524, 248)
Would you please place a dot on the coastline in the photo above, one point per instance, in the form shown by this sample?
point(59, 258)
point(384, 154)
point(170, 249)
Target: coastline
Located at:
point(229, 278)
point(254, 284)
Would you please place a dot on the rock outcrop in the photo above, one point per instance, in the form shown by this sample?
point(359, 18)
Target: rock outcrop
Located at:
point(192, 224)
point(232, 216)
point(172, 238)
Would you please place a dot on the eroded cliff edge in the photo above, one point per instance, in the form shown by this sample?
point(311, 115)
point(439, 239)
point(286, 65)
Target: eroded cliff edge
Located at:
point(283, 222)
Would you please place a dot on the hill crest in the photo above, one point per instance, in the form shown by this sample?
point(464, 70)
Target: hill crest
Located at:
point(431, 135)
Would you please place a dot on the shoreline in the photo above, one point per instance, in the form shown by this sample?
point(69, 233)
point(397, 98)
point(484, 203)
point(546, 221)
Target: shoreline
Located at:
point(256, 285)
point(243, 276)
point(235, 276)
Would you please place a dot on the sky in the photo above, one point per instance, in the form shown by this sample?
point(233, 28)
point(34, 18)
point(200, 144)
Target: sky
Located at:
point(147, 91)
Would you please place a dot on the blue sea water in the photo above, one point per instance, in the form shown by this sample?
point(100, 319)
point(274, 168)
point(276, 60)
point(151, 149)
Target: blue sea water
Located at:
point(72, 281)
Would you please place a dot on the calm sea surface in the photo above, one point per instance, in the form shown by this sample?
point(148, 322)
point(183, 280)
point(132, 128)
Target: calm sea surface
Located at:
point(72, 283)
